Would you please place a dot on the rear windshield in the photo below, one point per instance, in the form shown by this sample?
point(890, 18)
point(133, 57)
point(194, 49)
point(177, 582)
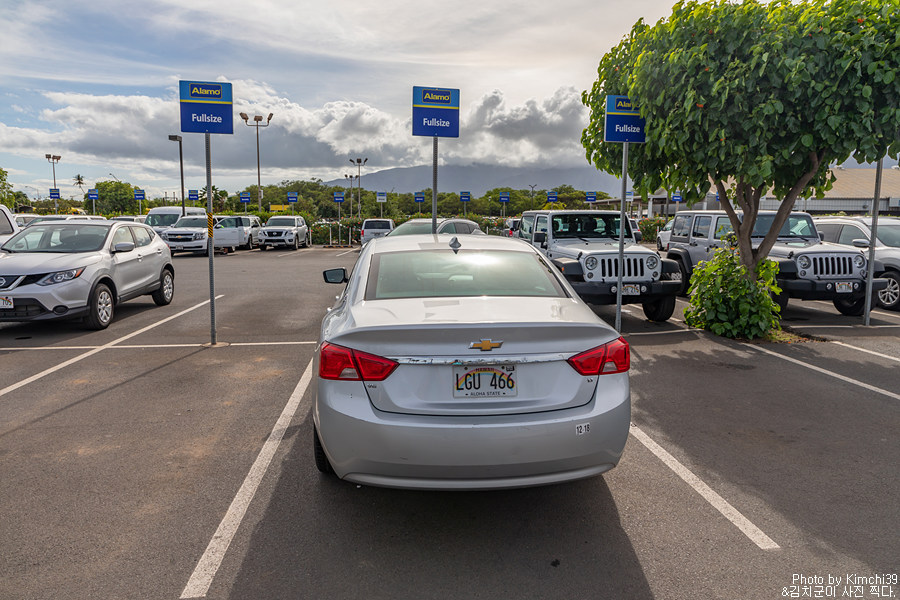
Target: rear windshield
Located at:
point(442, 274)
point(377, 225)
point(412, 228)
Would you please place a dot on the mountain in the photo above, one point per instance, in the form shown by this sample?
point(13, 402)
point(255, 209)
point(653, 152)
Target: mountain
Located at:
point(478, 179)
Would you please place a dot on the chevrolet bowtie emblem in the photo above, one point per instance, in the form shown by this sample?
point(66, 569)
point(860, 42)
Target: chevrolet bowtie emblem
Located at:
point(485, 345)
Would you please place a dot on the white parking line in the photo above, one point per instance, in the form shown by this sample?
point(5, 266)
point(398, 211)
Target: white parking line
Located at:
point(71, 361)
point(720, 504)
point(151, 346)
point(347, 252)
point(861, 384)
point(872, 352)
point(206, 569)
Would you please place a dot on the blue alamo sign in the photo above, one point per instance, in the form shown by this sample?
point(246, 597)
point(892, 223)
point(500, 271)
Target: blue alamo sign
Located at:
point(206, 107)
point(623, 121)
point(435, 112)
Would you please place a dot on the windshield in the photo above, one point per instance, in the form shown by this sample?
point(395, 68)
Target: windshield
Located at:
point(797, 225)
point(583, 226)
point(58, 238)
point(191, 222)
point(412, 228)
point(438, 273)
point(230, 222)
point(377, 225)
point(280, 222)
point(889, 235)
point(162, 220)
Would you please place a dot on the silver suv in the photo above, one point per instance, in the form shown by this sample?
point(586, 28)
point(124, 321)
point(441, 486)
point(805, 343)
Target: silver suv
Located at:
point(584, 245)
point(284, 231)
point(856, 232)
point(809, 269)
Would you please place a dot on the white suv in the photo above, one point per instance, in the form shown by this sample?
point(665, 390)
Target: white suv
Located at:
point(373, 228)
point(284, 231)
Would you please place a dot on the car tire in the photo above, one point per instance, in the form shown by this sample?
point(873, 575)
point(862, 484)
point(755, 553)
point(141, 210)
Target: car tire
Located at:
point(296, 243)
point(322, 463)
point(889, 297)
point(262, 247)
point(659, 245)
point(659, 310)
point(101, 307)
point(682, 276)
point(166, 291)
point(853, 308)
point(306, 241)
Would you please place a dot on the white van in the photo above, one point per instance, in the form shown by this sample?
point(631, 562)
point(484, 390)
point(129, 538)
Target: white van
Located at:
point(163, 217)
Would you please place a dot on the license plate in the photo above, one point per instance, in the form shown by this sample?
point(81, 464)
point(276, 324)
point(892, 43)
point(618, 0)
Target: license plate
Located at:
point(179, 247)
point(843, 287)
point(631, 290)
point(6, 303)
point(484, 381)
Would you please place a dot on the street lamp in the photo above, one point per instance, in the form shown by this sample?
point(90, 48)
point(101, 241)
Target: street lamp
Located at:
point(53, 159)
point(257, 122)
point(359, 162)
point(177, 138)
point(350, 188)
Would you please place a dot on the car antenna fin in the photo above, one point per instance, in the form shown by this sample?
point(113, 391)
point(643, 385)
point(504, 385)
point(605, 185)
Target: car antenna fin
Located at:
point(455, 245)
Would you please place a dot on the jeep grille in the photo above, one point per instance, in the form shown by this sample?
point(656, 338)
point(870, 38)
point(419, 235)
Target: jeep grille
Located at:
point(608, 267)
point(832, 266)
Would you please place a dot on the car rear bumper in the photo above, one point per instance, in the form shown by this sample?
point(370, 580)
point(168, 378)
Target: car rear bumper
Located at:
point(806, 289)
point(372, 447)
point(605, 293)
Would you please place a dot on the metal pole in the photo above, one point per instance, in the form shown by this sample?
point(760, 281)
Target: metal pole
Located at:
point(181, 163)
point(209, 246)
point(434, 187)
point(258, 176)
point(871, 270)
point(621, 238)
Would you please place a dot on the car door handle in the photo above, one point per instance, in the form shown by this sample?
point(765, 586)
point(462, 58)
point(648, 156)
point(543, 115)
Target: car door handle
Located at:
point(693, 244)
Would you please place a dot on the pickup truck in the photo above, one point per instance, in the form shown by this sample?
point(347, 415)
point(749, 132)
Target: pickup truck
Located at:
point(584, 245)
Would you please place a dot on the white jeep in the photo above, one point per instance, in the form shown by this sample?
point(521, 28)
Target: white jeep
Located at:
point(584, 245)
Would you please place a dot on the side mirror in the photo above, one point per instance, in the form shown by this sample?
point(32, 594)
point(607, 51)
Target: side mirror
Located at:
point(123, 247)
point(860, 243)
point(335, 275)
point(821, 236)
point(540, 237)
point(638, 236)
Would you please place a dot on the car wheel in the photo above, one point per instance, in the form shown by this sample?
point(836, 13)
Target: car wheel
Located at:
point(659, 245)
point(853, 308)
point(306, 241)
point(659, 310)
point(163, 295)
point(262, 247)
point(101, 307)
point(322, 463)
point(296, 242)
point(890, 296)
point(682, 276)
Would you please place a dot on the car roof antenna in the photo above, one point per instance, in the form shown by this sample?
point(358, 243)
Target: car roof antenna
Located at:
point(455, 245)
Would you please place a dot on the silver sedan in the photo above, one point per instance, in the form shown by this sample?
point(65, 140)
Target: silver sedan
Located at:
point(465, 363)
point(65, 269)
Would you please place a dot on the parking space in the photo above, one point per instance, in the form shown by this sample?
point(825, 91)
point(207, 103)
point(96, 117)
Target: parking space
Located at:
point(119, 469)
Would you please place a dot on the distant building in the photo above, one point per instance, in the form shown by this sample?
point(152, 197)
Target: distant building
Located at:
point(852, 193)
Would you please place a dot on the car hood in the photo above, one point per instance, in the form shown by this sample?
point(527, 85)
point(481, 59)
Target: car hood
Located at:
point(29, 263)
point(185, 229)
point(789, 248)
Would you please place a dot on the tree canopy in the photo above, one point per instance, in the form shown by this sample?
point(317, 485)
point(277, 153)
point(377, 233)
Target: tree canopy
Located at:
point(754, 98)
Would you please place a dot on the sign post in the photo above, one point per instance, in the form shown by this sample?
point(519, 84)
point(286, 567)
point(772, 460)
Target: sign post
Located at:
point(623, 124)
point(464, 197)
point(381, 198)
point(292, 199)
point(206, 108)
point(93, 196)
point(435, 113)
point(139, 196)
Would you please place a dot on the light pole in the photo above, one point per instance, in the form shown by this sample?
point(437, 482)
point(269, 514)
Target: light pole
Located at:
point(350, 189)
point(53, 159)
point(257, 122)
point(177, 138)
point(532, 194)
point(359, 162)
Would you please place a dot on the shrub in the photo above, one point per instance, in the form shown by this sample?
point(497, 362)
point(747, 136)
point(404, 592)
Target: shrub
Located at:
point(650, 227)
point(727, 302)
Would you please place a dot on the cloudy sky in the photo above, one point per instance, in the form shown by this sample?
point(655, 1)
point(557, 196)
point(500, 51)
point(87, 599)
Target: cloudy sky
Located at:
point(96, 82)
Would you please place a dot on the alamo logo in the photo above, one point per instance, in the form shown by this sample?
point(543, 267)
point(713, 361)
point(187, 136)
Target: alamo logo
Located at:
point(436, 96)
point(206, 91)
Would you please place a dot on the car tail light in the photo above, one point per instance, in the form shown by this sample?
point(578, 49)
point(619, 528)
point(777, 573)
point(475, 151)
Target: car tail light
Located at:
point(612, 357)
point(338, 362)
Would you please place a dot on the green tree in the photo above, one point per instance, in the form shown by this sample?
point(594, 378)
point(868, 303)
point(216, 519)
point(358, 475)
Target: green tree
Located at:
point(115, 198)
point(5, 189)
point(757, 98)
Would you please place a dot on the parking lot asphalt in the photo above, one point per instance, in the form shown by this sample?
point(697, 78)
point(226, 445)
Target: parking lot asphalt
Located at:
point(139, 462)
